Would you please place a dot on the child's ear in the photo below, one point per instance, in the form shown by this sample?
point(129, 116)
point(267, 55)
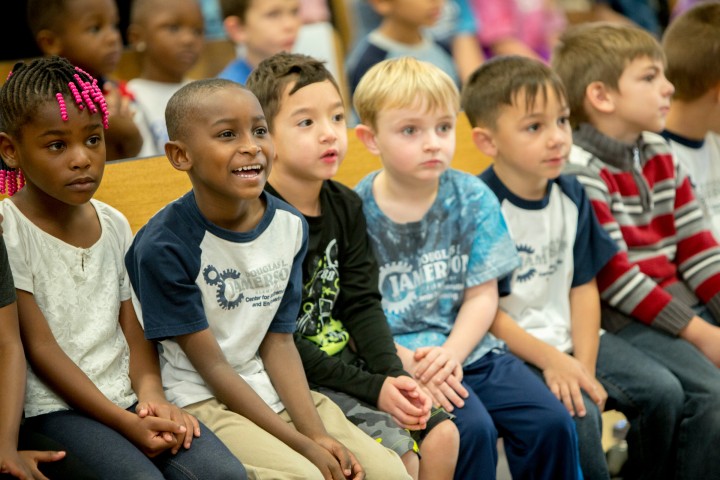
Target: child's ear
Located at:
point(176, 152)
point(8, 152)
point(136, 36)
point(484, 141)
point(234, 29)
point(48, 42)
point(367, 137)
point(382, 7)
point(600, 97)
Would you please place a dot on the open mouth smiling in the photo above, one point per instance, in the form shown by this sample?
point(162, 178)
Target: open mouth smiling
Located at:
point(248, 171)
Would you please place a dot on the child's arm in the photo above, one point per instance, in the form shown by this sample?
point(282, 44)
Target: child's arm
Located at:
point(123, 138)
point(585, 332)
point(146, 380)
point(12, 394)
point(436, 365)
point(230, 389)
point(284, 367)
point(61, 374)
point(585, 324)
point(624, 287)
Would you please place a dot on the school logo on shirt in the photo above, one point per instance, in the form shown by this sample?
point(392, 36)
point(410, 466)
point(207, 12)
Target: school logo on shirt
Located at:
point(542, 262)
point(402, 284)
point(266, 282)
point(228, 292)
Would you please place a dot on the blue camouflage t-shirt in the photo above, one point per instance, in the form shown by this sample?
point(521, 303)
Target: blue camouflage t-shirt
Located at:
point(425, 266)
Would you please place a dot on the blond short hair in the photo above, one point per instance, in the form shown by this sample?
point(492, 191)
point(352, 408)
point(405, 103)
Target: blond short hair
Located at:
point(598, 52)
point(692, 47)
point(402, 83)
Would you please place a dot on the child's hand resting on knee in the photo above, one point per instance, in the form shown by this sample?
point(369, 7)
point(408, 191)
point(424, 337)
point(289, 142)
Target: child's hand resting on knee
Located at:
point(405, 401)
point(169, 411)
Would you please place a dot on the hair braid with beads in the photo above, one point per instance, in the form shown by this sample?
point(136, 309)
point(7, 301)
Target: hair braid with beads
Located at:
point(31, 85)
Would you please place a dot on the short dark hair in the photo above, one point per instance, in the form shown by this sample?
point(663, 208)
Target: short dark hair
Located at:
point(598, 52)
point(500, 80)
point(182, 106)
point(270, 78)
point(235, 8)
point(692, 47)
point(45, 15)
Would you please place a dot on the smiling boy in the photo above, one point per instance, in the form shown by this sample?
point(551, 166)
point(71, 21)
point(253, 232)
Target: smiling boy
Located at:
point(218, 276)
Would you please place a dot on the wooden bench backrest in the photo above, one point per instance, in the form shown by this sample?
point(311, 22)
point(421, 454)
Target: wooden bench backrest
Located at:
point(140, 187)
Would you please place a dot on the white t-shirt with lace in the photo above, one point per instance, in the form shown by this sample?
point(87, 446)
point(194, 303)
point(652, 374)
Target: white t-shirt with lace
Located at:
point(79, 291)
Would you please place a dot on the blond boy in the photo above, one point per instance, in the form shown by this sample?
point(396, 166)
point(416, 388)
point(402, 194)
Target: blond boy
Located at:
point(664, 283)
point(442, 244)
point(693, 123)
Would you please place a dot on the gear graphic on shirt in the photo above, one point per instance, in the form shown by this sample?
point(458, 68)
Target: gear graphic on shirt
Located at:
point(524, 276)
point(391, 303)
point(228, 292)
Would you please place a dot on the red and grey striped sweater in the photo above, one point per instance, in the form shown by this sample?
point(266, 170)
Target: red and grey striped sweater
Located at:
point(668, 258)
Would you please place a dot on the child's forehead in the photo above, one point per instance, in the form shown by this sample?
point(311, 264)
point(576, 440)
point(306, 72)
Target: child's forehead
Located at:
point(313, 96)
point(266, 5)
point(644, 61)
point(417, 109)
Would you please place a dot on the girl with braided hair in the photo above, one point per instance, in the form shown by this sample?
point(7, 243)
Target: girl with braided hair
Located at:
point(94, 381)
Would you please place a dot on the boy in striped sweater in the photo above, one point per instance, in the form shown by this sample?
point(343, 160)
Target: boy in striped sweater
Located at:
point(661, 291)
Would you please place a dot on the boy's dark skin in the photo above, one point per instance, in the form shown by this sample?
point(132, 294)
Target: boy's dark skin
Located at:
point(237, 206)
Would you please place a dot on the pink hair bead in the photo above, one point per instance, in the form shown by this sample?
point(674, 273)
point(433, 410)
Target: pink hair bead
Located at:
point(21, 179)
point(76, 96)
point(2, 182)
point(63, 107)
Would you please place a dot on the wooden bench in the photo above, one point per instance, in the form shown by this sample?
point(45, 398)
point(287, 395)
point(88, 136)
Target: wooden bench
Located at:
point(139, 187)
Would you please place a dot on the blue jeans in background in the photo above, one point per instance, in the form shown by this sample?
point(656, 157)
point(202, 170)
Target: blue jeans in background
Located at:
point(648, 395)
point(112, 456)
point(698, 433)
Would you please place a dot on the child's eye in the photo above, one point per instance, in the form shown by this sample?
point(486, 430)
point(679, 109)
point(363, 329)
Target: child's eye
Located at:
point(649, 78)
point(56, 146)
point(174, 27)
point(534, 127)
point(305, 123)
point(260, 132)
point(445, 128)
point(564, 120)
point(226, 134)
point(409, 130)
point(274, 13)
point(94, 140)
point(339, 117)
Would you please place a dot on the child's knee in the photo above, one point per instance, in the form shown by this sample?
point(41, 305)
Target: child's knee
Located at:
point(443, 437)
point(382, 463)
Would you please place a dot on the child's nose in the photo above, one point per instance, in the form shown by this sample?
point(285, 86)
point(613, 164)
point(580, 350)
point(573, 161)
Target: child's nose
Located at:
point(250, 149)
point(80, 160)
point(431, 143)
point(328, 134)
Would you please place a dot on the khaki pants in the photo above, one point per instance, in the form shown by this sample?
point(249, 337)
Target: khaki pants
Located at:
point(266, 457)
